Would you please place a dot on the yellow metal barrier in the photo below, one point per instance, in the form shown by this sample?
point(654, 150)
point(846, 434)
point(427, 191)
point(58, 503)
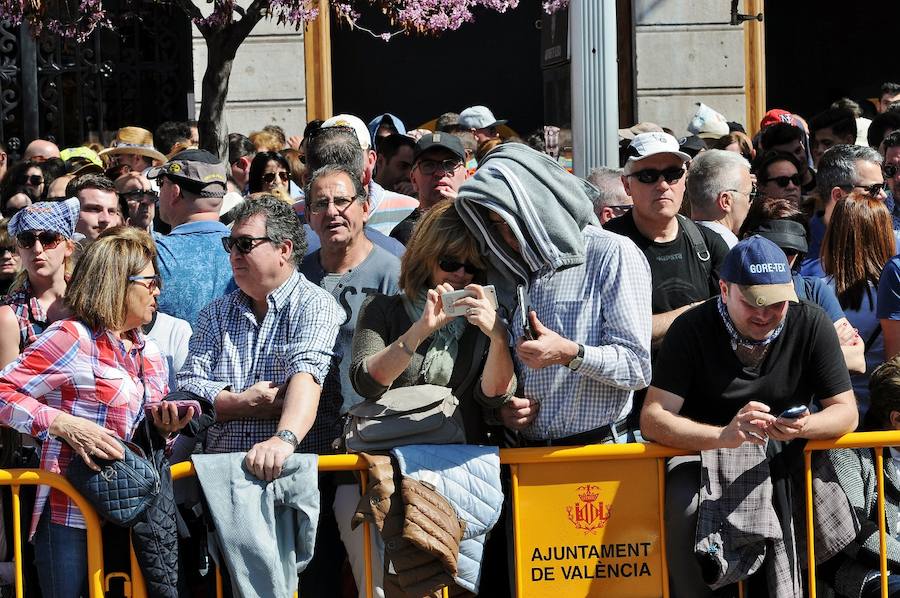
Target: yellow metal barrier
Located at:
point(32, 477)
point(850, 441)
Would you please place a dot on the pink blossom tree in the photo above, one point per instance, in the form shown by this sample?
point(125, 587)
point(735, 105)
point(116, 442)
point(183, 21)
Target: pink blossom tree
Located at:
point(228, 25)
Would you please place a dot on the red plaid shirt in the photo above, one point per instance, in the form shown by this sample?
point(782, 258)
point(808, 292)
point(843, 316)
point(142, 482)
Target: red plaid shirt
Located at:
point(89, 374)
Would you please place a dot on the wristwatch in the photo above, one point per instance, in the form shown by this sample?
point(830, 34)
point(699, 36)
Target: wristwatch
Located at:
point(576, 361)
point(288, 437)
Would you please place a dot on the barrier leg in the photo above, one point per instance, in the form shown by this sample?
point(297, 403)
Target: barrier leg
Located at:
point(138, 587)
point(882, 532)
point(810, 538)
point(218, 582)
point(520, 582)
point(367, 539)
point(17, 541)
point(663, 557)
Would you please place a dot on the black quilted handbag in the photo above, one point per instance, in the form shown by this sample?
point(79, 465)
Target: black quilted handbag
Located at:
point(122, 489)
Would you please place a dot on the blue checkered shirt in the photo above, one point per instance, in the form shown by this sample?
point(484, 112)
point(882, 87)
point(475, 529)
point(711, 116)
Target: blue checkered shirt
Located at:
point(230, 349)
point(603, 304)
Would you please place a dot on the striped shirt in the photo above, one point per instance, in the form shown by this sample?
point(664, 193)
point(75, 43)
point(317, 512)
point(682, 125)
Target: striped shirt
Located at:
point(232, 350)
point(603, 304)
point(70, 369)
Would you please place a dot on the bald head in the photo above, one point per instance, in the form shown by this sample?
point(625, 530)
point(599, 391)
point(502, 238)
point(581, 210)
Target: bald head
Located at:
point(40, 150)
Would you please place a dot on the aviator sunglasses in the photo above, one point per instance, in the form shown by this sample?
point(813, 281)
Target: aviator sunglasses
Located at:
point(48, 239)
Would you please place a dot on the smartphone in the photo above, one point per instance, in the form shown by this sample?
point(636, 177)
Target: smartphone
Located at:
point(793, 412)
point(524, 310)
point(182, 408)
point(448, 299)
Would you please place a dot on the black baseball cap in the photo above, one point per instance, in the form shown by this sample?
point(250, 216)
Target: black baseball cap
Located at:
point(441, 140)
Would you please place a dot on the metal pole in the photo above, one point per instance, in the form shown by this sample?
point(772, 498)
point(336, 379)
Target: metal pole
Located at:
point(595, 90)
point(30, 99)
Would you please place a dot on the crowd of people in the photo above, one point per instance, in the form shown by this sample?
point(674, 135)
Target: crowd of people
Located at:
point(727, 294)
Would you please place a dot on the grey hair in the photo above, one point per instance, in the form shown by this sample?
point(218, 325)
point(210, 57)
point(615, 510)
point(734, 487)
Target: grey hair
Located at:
point(837, 167)
point(282, 223)
point(608, 182)
point(712, 172)
point(359, 192)
point(334, 145)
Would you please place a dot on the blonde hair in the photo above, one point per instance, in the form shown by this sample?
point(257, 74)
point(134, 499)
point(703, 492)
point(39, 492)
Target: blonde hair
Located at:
point(265, 141)
point(98, 288)
point(440, 233)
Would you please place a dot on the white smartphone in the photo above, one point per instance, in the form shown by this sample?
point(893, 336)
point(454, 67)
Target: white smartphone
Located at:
point(448, 299)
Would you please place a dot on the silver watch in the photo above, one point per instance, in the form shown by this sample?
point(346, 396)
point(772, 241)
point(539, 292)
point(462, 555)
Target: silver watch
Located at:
point(576, 361)
point(288, 437)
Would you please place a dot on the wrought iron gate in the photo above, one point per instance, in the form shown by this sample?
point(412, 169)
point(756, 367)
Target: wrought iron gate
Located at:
point(139, 73)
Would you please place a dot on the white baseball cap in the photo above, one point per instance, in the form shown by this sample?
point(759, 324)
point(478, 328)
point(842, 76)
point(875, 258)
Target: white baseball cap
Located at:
point(355, 123)
point(653, 143)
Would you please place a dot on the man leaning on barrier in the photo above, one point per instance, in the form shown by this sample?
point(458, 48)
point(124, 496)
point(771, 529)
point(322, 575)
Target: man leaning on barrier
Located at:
point(589, 291)
point(725, 372)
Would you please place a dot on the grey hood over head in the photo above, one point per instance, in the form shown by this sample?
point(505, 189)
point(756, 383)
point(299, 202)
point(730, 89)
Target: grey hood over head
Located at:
point(545, 206)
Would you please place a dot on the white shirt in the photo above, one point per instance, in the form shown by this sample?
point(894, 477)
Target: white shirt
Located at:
point(729, 237)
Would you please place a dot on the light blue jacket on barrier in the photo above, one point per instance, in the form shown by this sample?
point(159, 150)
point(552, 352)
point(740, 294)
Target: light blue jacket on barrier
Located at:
point(468, 476)
point(265, 531)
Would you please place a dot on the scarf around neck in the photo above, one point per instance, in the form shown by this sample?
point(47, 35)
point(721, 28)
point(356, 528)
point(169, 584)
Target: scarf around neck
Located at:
point(444, 349)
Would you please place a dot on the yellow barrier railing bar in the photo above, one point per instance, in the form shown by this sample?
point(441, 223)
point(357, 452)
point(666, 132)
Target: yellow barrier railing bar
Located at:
point(851, 441)
point(33, 477)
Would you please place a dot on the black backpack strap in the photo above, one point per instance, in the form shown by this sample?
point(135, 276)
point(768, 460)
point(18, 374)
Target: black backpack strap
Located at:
point(696, 239)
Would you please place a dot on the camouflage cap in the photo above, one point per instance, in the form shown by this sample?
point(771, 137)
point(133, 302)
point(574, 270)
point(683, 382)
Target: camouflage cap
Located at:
point(196, 170)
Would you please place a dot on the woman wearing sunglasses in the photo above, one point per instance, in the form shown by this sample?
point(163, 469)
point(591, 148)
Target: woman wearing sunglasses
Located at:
point(43, 239)
point(407, 339)
point(778, 175)
point(85, 383)
point(271, 173)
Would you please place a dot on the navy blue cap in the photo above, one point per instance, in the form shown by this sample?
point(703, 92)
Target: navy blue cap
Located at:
point(761, 270)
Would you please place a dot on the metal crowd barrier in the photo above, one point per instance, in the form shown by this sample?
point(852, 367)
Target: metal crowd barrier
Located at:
point(514, 458)
point(850, 441)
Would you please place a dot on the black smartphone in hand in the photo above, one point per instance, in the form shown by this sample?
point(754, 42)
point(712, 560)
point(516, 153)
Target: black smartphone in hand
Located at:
point(524, 311)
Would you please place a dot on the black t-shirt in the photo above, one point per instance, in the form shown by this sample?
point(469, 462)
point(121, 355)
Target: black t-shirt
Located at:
point(404, 229)
point(697, 363)
point(678, 275)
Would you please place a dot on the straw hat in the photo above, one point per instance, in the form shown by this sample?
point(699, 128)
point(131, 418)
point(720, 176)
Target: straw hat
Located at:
point(133, 140)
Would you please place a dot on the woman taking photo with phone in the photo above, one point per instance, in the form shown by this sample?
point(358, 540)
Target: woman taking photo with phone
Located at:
point(43, 237)
point(95, 364)
point(408, 339)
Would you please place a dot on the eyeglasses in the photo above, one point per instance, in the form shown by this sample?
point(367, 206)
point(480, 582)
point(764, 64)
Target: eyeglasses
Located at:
point(650, 176)
point(48, 238)
point(451, 265)
point(784, 181)
point(269, 177)
point(874, 189)
point(243, 244)
point(153, 282)
point(429, 167)
point(140, 196)
point(890, 170)
point(753, 195)
point(321, 205)
point(32, 179)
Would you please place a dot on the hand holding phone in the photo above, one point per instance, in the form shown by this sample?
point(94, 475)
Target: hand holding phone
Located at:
point(793, 412)
point(525, 313)
point(448, 299)
point(183, 407)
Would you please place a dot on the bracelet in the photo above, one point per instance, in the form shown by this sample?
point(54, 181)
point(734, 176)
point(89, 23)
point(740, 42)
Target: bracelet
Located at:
point(405, 348)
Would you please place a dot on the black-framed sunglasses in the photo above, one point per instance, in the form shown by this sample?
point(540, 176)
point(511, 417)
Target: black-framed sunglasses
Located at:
point(451, 265)
point(874, 189)
point(784, 181)
point(138, 195)
point(32, 179)
point(243, 244)
point(269, 177)
point(650, 176)
point(429, 167)
point(49, 239)
point(7, 248)
point(890, 170)
point(153, 281)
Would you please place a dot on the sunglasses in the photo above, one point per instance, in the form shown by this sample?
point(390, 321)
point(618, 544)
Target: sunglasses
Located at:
point(269, 177)
point(140, 196)
point(874, 189)
point(651, 176)
point(784, 181)
point(33, 179)
point(449, 265)
point(890, 170)
point(243, 244)
point(429, 167)
point(153, 282)
point(48, 239)
point(7, 248)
